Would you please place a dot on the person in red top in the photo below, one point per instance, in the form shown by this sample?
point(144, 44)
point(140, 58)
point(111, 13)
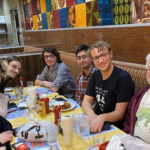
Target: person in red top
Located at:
point(87, 67)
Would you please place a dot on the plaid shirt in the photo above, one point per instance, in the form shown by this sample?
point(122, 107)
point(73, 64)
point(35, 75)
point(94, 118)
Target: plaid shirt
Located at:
point(81, 85)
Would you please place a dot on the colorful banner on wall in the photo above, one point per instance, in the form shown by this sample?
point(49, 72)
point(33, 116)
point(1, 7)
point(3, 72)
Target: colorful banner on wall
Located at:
point(122, 12)
point(82, 13)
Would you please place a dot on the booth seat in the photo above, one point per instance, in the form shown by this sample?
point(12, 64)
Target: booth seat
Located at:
point(137, 71)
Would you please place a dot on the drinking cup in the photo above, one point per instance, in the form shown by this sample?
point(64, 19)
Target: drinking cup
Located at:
point(98, 139)
point(32, 96)
point(18, 92)
point(67, 123)
point(77, 118)
point(84, 127)
point(29, 83)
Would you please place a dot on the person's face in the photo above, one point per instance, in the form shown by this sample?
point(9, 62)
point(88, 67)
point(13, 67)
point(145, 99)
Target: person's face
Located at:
point(83, 60)
point(14, 68)
point(148, 73)
point(61, 3)
point(71, 16)
point(102, 59)
point(50, 59)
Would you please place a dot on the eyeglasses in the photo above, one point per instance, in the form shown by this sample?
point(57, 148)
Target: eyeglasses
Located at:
point(16, 67)
point(82, 57)
point(102, 56)
point(48, 56)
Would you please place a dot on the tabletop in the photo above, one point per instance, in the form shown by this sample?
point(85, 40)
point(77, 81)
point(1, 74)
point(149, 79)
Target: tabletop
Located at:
point(78, 143)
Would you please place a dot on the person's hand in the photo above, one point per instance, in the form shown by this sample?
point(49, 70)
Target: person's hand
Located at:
point(47, 84)
point(6, 136)
point(97, 123)
point(91, 116)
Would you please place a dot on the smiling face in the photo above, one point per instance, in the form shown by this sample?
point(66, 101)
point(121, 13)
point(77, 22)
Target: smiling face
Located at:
point(83, 60)
point(50, 59)
point(14, 68)
point(102, 59)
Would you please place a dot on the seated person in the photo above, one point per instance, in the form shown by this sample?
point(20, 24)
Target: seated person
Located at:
point(56, 75)
point(110, 86)
point(6, 134)
point(137, 121)
point(84, 61)
point(13, 65)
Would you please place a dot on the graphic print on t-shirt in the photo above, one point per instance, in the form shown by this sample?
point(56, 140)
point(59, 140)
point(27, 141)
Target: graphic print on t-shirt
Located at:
point(100, 96)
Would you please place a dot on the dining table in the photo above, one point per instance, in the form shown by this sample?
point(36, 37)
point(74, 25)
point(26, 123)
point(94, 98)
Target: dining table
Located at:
point(78, 142)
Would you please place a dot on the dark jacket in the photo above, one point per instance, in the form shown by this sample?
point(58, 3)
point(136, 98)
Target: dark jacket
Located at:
point(130, 118)
point(5, 126)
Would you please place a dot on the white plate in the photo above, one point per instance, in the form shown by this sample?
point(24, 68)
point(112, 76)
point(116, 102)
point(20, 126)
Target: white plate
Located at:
point(9, 89)
point(51, 104)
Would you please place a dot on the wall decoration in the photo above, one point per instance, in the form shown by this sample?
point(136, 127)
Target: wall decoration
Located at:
point(70, 3)
point(54, 4)
point(35, 22)
point(30, 9)
point(34, 7)
point(48, 6)
point(80, 13)
point(26, 10)
point(44, 21)
point(43, 6)
point(122, 12)
point(39, 21)
point(140, 11)
point(61, 4)
point(38, 7)
point(28, 24)
point(79, 1)
point(50, 20)
point(92, 13)
point(71, 17)
point(56, 20)
point(105, 9)
point(63, 17)
point(52, 14)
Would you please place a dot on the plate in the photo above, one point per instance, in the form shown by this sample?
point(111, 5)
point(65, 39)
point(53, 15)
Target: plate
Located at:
point(9, 89)
point(51, 104)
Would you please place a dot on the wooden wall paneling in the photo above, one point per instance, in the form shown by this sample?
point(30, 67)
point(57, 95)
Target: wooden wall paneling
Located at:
point(129, 43)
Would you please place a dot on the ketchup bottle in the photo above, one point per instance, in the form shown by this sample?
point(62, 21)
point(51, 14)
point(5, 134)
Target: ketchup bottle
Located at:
point(21, 82)
point(57, 113)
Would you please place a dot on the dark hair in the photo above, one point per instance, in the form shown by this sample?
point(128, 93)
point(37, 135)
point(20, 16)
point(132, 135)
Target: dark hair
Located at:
point(82, 47)
point(54, 52)
point(13, 58)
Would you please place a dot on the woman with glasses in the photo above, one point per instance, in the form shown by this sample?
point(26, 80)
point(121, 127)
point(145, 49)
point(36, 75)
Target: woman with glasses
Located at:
point(6, 131)
point(13, 71)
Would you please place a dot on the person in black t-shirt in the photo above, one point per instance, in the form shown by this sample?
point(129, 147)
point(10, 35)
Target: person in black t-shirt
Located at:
point(112, 88)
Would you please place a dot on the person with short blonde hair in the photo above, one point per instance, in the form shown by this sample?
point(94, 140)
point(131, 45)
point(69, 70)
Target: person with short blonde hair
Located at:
point(110, 86)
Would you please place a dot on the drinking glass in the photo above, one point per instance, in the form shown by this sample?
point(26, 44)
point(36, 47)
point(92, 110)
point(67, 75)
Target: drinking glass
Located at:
point(98, 139)
point(77, 118)
point(84, 127)
point(29, 83)
point(18, 92)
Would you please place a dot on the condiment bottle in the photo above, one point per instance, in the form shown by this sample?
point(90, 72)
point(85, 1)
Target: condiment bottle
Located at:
point(42, 108)
point(37, 102)
point(46, 100)
point(21, 82)
point(57, 113)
